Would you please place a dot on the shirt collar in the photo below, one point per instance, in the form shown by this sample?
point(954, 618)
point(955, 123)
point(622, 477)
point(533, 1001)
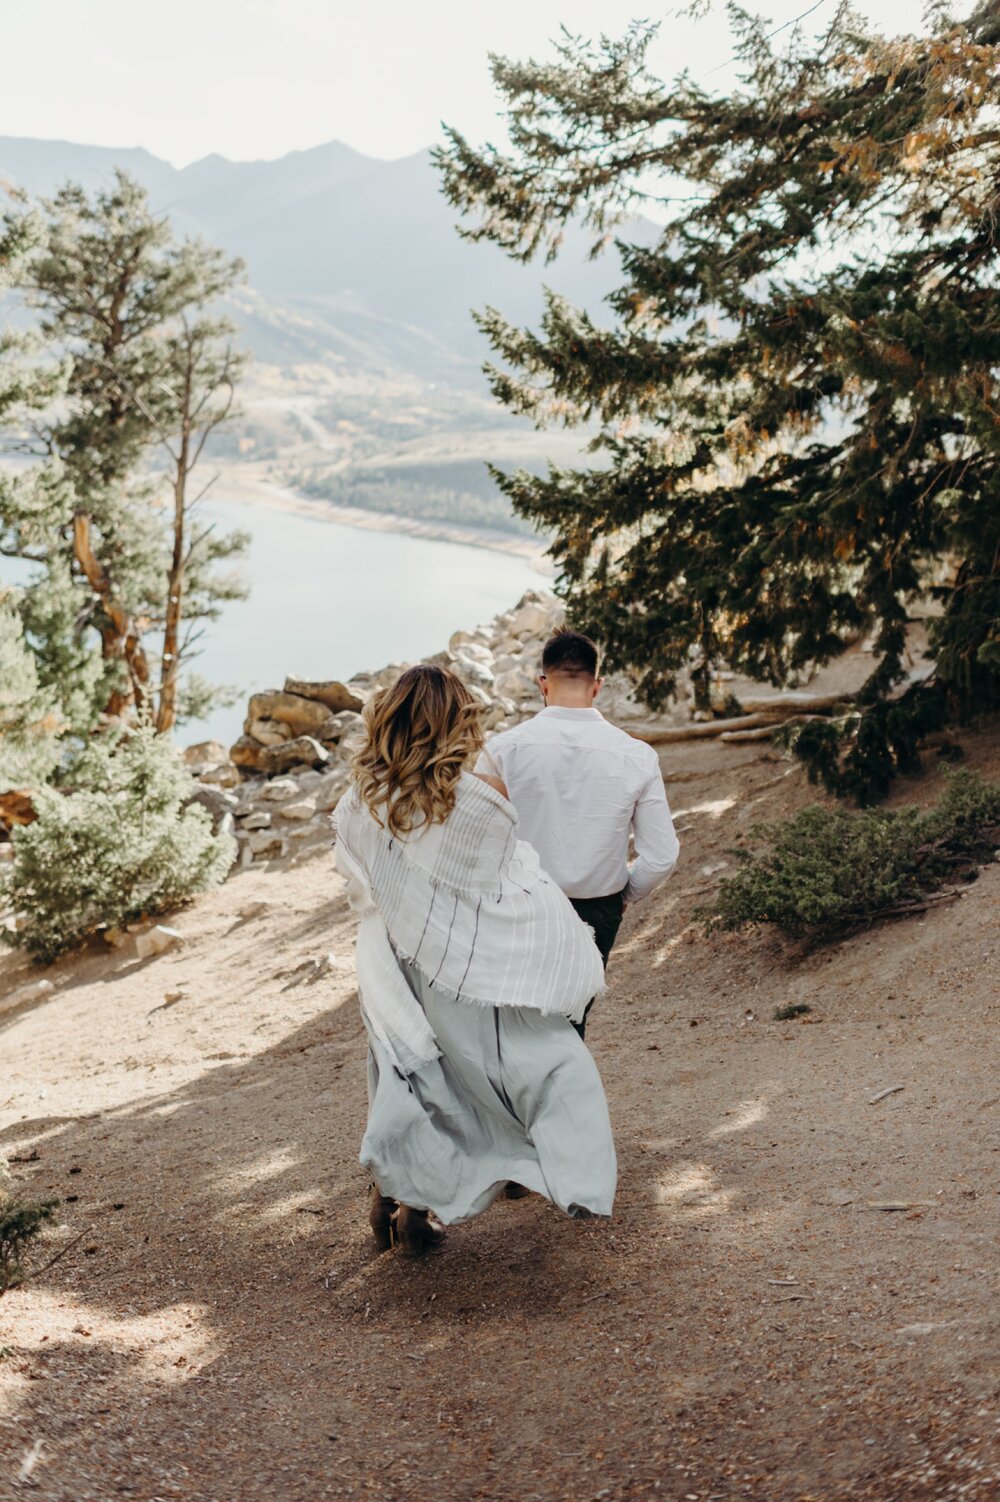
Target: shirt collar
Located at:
point(559, 712)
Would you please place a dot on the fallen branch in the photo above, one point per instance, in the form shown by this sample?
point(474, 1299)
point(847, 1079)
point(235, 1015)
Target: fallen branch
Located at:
point(732, 737)
point(787, 705)
point(703, 729)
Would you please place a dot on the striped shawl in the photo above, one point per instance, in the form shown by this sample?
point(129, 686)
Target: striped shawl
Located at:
point(467, 903)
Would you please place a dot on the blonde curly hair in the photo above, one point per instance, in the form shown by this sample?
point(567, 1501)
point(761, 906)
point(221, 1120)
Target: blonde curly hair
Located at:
point(421, 732)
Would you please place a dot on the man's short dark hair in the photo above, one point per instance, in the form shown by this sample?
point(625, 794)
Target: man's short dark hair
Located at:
point(570, 652)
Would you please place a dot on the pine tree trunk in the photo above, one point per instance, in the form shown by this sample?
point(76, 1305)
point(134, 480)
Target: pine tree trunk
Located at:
point(166, 716)
point(119, 638)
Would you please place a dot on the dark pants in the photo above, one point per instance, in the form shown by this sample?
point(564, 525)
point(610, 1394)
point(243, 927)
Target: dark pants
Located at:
point(604, 914)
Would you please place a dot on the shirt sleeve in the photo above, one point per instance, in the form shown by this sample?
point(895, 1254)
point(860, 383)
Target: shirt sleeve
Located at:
point(656, 844)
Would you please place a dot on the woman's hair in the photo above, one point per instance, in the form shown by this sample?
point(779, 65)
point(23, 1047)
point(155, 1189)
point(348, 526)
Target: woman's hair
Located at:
point(421, 732)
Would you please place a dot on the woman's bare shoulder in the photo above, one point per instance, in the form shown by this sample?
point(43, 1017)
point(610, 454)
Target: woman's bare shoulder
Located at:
point(496, 783)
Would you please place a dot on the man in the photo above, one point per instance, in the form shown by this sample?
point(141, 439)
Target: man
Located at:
point(581, 788)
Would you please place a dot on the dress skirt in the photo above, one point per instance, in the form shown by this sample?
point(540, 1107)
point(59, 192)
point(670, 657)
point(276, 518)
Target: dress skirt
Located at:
point(514, 1096)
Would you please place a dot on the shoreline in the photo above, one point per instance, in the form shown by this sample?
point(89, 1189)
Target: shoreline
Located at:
point(255, 490)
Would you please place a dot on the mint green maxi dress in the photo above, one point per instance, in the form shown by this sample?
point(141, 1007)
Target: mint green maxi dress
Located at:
point(514, 1096)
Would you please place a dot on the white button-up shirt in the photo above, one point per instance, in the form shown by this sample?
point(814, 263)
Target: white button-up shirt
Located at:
point(581, 788)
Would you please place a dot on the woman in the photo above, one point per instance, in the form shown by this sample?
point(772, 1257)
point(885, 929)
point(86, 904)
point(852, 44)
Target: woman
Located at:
point(472, 966)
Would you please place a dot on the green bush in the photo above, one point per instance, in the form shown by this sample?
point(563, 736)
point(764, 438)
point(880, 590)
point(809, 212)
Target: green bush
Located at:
point(20, 1222)
point(119, 844)
point(826, 871)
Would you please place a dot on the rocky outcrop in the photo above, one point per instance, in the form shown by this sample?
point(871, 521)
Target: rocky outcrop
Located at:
point(279, 783)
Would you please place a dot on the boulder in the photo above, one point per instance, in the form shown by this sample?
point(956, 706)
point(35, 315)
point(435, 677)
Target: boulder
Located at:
point(331, 789)
point(205, 754)
point(279, 790)
point(268, 732)
point(303, 751)
point(471, 671)
point(337, 726)
point(256, 820)
point(299, 812)
point(333, 695)
point(248, 754)
point(316, 829)
point(515, 684)
point(225, 775)
point(266, 842)
point(219, 802)
point(536, 615)
point(302, 716)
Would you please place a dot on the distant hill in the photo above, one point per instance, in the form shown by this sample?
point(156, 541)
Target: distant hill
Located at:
point(359, 258)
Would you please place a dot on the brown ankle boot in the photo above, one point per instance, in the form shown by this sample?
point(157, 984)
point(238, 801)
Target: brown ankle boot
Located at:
point(416, 1232)
point(380, 1213)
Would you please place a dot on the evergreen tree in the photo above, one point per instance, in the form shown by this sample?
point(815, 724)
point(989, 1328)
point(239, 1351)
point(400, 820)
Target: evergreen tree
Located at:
point(797, 396)
point(148, 367)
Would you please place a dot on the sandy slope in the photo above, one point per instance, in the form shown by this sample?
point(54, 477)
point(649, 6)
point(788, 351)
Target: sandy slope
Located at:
point(746, 1328)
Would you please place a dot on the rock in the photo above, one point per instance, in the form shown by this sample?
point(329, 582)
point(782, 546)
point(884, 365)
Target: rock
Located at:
point(308, 780)
point(219, 802)
point(266, 841)
point(515, 685)
point(17, 807)
point(6, 853)
point(472, 672)
point(531, 618)
point(256, 820)
point(157, 941)
point(205, 754)
point(225, 775)
point(248, 754)
point(302, 716)
point(279, 790)
point(303, 751)
point(333, 695)
point(337, 726)
point(299, 813)
point(316, 829)
point(331, 789)
point(34, 992)
point(254, 910)
point(268, 732)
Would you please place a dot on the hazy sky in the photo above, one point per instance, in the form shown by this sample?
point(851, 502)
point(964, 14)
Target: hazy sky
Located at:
point(257, 78)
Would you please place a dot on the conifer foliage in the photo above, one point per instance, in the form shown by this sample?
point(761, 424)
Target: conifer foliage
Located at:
point(796, 393)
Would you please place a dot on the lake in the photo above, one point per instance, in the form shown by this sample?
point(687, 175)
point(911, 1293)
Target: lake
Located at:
point(329, 600)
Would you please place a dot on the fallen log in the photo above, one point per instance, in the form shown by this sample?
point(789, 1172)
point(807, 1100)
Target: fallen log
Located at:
point(703, 729)
point(733, 737)
point(785, 705)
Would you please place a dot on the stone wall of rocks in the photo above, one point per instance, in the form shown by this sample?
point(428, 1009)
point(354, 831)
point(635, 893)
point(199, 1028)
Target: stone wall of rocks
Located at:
point(276, 787)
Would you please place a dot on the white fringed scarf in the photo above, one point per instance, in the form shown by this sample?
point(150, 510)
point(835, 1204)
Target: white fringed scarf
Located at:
point(467, 903)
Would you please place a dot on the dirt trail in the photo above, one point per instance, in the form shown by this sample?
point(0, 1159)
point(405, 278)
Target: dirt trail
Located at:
point(746, 1328)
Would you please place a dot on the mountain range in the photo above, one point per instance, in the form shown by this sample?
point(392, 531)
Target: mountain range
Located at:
point(348, 257)
point(367, 389)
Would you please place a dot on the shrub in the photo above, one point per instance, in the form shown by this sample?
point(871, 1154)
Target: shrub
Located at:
point(20, 1221)
point(119, 844)
point(826, 871)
